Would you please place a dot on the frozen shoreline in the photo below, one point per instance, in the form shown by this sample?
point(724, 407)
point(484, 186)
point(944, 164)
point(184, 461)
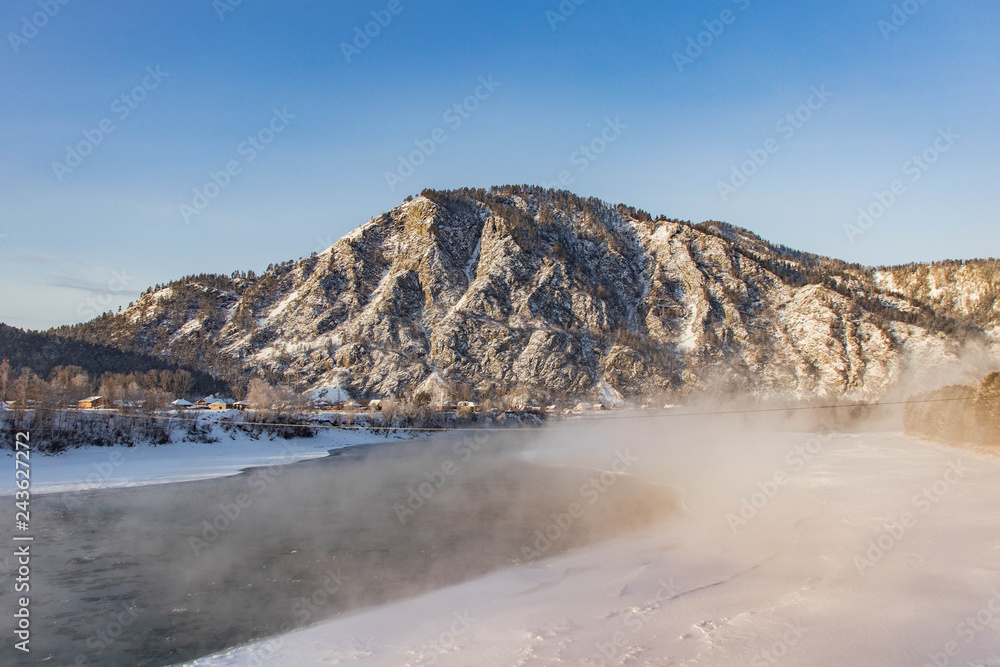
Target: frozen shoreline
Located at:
point(90, 468)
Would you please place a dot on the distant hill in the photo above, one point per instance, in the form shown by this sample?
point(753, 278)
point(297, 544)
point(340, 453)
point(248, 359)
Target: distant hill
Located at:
point(42, 352)
point(958, 413)
point(518, 289)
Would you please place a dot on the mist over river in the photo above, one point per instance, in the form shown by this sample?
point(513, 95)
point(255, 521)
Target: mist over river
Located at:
point(158, 575)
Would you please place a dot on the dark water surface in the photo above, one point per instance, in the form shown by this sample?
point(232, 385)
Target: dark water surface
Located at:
point(134, 576)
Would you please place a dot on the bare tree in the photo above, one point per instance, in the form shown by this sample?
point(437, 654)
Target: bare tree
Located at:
point(154, 399)
point(4, 378)
point(390, 411)
point(260, 395)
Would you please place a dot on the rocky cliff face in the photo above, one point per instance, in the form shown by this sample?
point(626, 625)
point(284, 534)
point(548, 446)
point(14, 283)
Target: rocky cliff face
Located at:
point(966, 291)
point(520, 289)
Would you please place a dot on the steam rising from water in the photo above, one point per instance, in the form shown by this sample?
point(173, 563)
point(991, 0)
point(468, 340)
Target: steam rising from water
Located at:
point(188, 569)
point(202, 566)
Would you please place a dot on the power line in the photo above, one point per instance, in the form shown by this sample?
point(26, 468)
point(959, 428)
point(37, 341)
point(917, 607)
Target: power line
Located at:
point(653, 415)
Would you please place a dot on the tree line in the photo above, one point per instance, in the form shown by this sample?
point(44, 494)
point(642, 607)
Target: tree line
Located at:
point(958, 413)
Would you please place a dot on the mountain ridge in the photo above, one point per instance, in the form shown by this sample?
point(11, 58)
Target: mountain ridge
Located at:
point(541, 293)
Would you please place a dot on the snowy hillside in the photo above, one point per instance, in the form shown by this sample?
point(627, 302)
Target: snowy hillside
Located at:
point(964, 290)
point(522, 289)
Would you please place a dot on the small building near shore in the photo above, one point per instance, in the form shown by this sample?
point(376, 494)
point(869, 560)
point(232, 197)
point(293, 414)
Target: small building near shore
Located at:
point(92, 403)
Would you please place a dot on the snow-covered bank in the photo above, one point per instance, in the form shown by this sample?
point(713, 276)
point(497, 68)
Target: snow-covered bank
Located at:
point(872, 549)
point(110, 467)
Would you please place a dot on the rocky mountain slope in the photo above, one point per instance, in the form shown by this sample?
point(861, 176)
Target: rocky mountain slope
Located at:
point(544, 294)
point(968, 291)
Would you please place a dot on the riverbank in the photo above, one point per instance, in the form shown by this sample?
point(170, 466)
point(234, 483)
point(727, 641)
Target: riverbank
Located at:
point(157, 574)
point(92, 468)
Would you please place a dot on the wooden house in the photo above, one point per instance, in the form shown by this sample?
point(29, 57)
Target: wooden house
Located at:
point(92, 403)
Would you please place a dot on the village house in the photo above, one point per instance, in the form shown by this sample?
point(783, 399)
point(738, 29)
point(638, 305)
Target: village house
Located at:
point(92, 403)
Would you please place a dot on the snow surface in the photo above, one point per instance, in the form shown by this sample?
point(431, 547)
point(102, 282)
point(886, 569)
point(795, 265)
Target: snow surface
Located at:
point(332, 393)
point(787, 587)
point(609, 395)
point(109, 467)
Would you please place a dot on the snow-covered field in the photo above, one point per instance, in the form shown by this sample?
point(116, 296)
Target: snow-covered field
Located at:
point(109, 467)
point(793, 549)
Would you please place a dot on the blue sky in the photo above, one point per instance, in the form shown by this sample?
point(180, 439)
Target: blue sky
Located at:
point(201, 77)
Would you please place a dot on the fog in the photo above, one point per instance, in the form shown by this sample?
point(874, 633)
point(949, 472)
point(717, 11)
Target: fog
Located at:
point(197, 567)
point(177, 571)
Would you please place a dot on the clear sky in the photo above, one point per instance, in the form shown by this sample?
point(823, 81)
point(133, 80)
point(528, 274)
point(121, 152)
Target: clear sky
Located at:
point(98, 191)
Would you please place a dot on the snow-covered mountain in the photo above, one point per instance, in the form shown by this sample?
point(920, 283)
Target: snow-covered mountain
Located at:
point(545, 294)
point(967, 291)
